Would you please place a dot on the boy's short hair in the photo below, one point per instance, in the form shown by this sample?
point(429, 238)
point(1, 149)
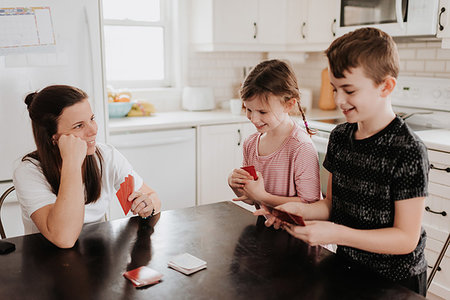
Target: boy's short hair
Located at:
point(370, 48)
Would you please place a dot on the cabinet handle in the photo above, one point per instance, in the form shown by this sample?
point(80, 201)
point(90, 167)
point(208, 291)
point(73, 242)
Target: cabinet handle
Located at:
point(255, 30)
point(441, 27)
point(302, 31)
point(440, 169)
point(443, 213)
point(438, 268)
point(240, 137)
point(333, 27)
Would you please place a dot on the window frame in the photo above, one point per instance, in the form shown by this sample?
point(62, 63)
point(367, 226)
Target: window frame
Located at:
point(166, 22)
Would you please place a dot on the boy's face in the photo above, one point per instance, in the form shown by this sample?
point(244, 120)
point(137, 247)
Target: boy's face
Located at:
point(357, 95)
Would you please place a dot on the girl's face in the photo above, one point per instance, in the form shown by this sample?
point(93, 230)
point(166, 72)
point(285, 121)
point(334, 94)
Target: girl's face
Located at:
point(78, 120)
point(266, 116)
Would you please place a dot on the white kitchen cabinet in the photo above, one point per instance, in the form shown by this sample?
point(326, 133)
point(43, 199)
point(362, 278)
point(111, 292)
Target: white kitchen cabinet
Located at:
point(166, 160)
point(436, 221)
point(234, 25)
point(443, 28)
point(311, 24)
point(220, 151)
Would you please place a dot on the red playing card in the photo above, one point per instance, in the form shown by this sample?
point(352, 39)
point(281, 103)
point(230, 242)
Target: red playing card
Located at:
point(123, 194)
point(251, 170)
point(143, 276)
point(286, 217)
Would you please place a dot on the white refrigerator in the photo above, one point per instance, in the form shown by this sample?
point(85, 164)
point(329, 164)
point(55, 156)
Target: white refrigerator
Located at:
point(43, 43)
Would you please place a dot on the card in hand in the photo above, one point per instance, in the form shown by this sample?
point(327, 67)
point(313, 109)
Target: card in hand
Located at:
point(287, 217)
point(143, 276)
point(251, 170)
point(125, 190)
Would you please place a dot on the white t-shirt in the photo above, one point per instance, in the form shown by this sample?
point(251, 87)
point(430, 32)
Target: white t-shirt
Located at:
point(34, 192)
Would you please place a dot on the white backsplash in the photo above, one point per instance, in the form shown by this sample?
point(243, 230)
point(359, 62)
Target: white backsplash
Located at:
point(223, 70)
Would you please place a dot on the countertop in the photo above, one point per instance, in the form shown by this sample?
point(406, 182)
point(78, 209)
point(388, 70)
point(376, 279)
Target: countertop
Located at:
point(436, 139)
point(183, 119)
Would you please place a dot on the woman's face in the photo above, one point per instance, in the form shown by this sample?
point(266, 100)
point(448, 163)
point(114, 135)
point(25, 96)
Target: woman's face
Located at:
point(78, 120)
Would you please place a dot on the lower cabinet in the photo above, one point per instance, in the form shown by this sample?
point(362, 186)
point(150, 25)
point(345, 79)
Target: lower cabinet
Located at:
point(219, 152)
point(436, 221)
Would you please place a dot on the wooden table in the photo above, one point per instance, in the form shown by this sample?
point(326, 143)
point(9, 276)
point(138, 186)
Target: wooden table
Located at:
point(245, 260)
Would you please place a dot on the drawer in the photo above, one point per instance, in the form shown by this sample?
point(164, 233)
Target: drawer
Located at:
point(440, 162)
point(441, 281)
point(437, 207)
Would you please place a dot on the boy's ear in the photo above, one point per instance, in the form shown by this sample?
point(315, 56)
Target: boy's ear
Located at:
point(388, 86)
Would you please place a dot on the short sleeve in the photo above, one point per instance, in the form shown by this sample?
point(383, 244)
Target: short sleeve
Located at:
point(307, 178)
point(410, 178)
point(328, 162)
point(32, 188)
point(122, 168)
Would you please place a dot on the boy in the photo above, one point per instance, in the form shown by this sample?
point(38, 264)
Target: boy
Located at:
point(378, 168)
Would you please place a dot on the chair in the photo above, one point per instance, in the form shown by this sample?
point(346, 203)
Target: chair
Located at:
point(438, 261)
point(2, 199)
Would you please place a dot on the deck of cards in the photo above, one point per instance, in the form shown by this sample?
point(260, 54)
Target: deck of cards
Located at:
point(143, 276)
point(187, 263)
point(125, 190)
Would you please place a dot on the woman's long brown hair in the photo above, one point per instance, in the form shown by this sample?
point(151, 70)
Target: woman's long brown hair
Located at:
point(45, 108)
point(273, 77)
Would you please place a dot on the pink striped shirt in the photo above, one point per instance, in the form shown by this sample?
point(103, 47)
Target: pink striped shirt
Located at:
point(292, 170)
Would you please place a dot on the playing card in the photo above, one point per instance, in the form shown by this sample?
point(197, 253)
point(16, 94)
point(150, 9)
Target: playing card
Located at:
point(187, 263)
point(251, 170)
point(125, 190)
point(143, 276)
point(286, 217)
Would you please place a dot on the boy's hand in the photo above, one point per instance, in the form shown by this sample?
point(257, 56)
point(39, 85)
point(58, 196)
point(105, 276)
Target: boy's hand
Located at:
point(315, 232)
point(238, 178)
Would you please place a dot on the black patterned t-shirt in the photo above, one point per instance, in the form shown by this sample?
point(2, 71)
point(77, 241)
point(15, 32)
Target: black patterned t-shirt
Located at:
point(369, 175)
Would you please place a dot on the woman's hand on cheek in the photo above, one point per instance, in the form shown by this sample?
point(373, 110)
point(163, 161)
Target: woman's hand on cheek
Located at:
point(72, 148)
point(315, 232)
point(142, 204)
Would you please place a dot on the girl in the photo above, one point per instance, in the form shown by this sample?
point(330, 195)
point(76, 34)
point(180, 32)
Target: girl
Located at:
point(70, 179)
point(281, 151)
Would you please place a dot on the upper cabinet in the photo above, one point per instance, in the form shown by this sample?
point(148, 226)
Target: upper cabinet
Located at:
point(311, 24)
point(443, 30)
point(262, 25)
point(235, 25)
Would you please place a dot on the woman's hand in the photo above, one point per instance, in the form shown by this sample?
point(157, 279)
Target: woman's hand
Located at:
point(143, 203)
point(72, 148)
point(270, 219)
point(315, 232)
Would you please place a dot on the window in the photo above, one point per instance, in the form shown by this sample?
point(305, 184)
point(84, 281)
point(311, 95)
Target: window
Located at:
point(137, 43)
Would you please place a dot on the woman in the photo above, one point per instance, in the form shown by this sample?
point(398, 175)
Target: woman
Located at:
point(70, 179)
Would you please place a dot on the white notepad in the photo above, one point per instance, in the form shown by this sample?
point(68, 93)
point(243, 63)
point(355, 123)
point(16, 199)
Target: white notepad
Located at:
point(187, 263)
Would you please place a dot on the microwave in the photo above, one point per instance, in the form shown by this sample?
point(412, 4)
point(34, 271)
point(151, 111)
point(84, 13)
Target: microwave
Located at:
point(399, 18)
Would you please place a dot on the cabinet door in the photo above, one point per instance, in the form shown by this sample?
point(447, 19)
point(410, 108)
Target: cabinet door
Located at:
point(296, 18)
point(219, 151)
point(271, 22)
point(321, 25)
point(235, 21)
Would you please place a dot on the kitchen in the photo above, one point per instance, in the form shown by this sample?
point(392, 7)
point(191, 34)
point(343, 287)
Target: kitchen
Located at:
point(199, 62)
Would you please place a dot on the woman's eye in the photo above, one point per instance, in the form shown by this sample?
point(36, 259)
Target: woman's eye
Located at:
point(349, 92)
point(78, 126)
point(93, 118)
point(263, 112)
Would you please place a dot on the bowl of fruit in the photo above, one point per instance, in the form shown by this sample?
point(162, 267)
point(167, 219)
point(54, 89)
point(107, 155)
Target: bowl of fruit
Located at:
point(119, 104)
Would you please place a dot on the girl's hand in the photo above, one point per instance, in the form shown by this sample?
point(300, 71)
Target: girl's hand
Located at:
point(315, 232)
point(244, 198)
point(142, 203)
point(72, 148)
point(254, 189)
point(238, 178)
